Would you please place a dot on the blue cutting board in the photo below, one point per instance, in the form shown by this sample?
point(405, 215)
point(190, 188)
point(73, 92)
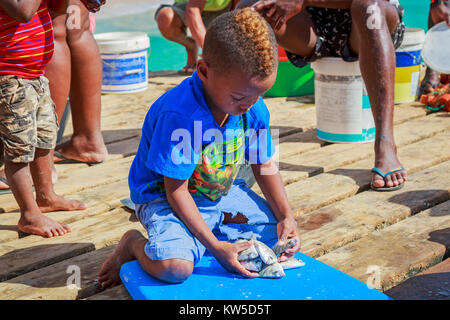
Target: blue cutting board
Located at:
point(210, 281)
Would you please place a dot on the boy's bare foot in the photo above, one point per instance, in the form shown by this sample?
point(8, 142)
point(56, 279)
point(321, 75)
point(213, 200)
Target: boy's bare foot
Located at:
point(109, 274)
point(386, 160)
point(58, 203)
point(42, 226)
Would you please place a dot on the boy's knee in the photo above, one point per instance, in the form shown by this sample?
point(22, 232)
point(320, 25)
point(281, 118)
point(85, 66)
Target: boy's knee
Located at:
point(176, 270)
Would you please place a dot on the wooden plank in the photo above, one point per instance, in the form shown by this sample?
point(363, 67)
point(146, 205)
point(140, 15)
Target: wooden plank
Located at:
point(396, 253)
point(117, 293)
point(33, 252)
point(53, 282)
point(81, 179)
point(310, 194)
point(431, 284)
point(99, 200)
point(350, 219)
point(330, 157)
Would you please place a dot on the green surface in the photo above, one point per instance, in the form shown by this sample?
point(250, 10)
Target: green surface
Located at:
point(167, 55)
point(292, 81)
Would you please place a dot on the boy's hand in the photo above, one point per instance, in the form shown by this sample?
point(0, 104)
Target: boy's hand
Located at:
point(287, 229)
point(277, 12)
point(439, 13)
point(227, 255)
point(93, 5)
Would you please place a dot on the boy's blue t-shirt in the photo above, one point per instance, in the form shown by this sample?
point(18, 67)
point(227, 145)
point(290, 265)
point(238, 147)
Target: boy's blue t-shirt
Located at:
point(181, 140)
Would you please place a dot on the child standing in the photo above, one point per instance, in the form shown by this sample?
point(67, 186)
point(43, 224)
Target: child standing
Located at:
point(28, 123)
point(194, 137)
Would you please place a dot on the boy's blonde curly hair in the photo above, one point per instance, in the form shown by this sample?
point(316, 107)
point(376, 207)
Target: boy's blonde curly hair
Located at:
point(242, 39)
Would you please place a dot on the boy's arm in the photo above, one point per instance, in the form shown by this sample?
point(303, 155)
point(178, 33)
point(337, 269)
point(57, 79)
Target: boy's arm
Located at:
point(184, 206)
point(20, 10)
point(269, 180)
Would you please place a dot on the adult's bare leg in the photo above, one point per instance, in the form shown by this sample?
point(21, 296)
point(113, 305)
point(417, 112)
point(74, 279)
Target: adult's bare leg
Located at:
point(87, 143)
point(377, 62)
point(172, 28)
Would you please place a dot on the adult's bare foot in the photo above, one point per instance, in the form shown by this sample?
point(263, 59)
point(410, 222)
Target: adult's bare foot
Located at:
point(80, 148)
point(386, 160)
point(109, 274)
point(41, 225)
point(58, 203)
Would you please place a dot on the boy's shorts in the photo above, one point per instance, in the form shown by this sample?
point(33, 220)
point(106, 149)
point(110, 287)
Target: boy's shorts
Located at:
point(27, 117)
point(180, 10)
point(168, 237)
point(333, 27)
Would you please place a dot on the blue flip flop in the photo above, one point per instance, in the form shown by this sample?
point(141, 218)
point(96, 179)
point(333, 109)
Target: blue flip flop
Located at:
point(384, 175)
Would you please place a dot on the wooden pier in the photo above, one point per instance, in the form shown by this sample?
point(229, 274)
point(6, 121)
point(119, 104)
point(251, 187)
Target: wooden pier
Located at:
point(405, 234)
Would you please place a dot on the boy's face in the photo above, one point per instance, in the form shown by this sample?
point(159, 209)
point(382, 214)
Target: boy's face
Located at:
point(233, 92)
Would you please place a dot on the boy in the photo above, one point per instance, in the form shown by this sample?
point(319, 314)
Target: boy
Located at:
point(28, 123)
point(188, 207)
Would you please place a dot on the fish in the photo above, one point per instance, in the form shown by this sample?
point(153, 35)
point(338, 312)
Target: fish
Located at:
point(253, 265)
point(249, 253)
point(265, 253)
point(288, 244)
point(275, 270)
point(292, 263)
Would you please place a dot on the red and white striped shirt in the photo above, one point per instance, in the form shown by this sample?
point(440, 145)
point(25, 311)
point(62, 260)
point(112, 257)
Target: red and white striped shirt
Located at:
point(26, 48)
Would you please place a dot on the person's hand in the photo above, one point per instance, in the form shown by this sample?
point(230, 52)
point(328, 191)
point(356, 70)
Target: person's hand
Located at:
point(439, 13)
point(287, 229)
point(277, 12)
point(93, 5)
point(227, 255)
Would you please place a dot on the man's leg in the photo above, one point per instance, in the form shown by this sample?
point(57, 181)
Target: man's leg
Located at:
point(296, 36)
point(131, 247)
point(87, 142)
point(373, 44)
point(172, 28)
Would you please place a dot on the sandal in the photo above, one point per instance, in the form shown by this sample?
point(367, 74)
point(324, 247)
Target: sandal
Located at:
point(384, 175)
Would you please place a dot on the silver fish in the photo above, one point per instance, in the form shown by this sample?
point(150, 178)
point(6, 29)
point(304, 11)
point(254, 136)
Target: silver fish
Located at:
point(265, 253)
point(249, 253)
point(253, 265)
point(287, 245)
point(275, 270)
point(292, 263)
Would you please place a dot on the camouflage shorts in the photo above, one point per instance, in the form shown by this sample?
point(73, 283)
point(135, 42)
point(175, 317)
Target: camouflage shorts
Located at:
point(27, 117)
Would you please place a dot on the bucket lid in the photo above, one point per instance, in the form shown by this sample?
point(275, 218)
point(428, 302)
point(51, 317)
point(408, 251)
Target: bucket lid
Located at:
point(436, 51)
point(413, 37)
point(336, 67)
point(116, 42)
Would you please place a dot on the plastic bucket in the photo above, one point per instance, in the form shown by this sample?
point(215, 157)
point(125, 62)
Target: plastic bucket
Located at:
point(342, 105)
point(125, 61)
point(291, 81)
point(407, 71)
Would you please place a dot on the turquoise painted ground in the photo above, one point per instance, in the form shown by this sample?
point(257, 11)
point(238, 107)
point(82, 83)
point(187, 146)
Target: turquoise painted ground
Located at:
point(167, 55)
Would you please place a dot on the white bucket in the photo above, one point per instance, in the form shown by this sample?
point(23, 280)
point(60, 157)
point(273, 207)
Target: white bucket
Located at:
point(125, 61)
point(342, 105)
point(407, 71)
